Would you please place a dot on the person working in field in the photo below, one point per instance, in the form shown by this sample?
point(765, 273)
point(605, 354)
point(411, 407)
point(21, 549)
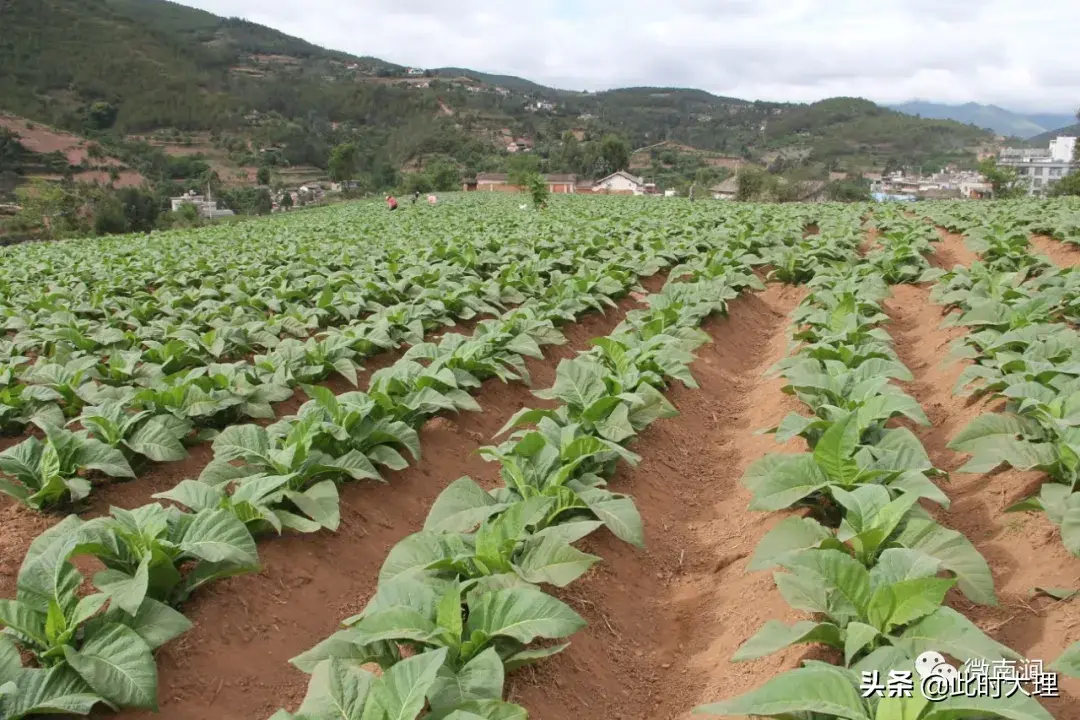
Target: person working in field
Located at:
point(415, 197)
point(391, 202)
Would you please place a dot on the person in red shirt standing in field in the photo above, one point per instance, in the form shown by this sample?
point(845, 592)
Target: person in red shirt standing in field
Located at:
point(391, 202)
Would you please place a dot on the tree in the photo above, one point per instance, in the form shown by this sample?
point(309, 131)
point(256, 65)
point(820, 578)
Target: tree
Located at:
point(1068, 185)
point(754, 184)
point(443, 175)
point(286, 201)
point(1003, 180)
point(100, 116)
point(522, 168)
point(262, 175)
point(538, 189)
point(343, 162)
point(50, 208)
point(848, 191)
point(616, 152)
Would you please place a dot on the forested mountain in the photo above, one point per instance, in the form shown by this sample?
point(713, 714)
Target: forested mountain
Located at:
point(112, 69)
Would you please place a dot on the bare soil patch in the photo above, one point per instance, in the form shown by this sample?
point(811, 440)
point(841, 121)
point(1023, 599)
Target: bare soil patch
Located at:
point(43, 139)
point(1060, 253)
point(952, 251)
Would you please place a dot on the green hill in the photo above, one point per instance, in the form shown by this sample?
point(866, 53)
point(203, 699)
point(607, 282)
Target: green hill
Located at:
point(1043, 139)
point(115, 68)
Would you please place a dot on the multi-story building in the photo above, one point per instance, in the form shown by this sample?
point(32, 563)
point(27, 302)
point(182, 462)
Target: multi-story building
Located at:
point(1038, 169)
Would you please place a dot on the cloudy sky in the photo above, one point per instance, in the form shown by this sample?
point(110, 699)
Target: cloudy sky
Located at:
point(1015, 53)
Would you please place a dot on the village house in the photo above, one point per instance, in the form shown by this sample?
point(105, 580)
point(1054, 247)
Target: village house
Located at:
point(519, 145)
point(620, 183)
point(206, 207)
point(500, 182)
point(725, 190)
point(1038, 169)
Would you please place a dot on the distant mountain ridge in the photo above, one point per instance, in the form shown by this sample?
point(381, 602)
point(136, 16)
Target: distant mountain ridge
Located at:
point(998, 119)
point(124, 69)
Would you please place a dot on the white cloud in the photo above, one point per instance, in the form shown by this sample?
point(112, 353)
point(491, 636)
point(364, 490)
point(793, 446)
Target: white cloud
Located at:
point(1015, 53)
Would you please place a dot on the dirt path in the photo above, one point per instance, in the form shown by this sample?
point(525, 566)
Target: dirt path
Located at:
point(1060, 253)
point(1024, 550)
point(234, 663)
point(952, 251)
point(664, 622)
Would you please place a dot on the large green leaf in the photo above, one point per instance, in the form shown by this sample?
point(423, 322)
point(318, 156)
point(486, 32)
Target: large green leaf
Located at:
point(783, 481)
point(117, 664)
point(617, 512)
point(843, 576)
point(157, 441)
point(239, 441)
point(817, 689)
point(1015, 707)
point(126, 591)
point(24, 621)
point(337, 691)
point(219, 536)
point(775, 636)
point(401, 693)
point(193, 494)
point(908, 600)
point(578, 382)
point(55, 691)
point(789, 536)
point(320, 502)
point(947, 631)
point(523, 614)
point(480, 679)
point(833, 452)
point(857, 636)
point(396, 623)
point(955, 553)
point(155, 622)
point(45, 574)
point(1069, 661)
point(96, 455)
point(461, 507)
point(552, 560)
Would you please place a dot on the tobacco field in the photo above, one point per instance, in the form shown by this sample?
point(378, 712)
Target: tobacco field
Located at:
point(623, 458)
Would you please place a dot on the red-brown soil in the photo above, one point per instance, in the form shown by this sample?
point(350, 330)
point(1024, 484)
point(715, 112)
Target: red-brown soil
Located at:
point(952, 251)
point(43, 139)
point(234, 662)
point(1062, 254)
point(1024, 550)
point(664, 622)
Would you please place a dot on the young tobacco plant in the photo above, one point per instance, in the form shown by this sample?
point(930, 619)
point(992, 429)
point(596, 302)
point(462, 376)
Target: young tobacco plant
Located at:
point(84, 654)
point(164, 554)
point(47, 474)
point(896, 603)
point(872, 523)
point(897, 462)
